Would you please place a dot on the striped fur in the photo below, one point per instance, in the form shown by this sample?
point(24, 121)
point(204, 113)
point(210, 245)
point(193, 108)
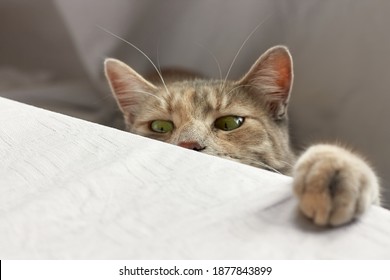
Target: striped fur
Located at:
point(193, 105)
point(333, 185)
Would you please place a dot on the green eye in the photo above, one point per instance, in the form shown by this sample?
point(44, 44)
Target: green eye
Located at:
point(228, 123)
point(161, 126)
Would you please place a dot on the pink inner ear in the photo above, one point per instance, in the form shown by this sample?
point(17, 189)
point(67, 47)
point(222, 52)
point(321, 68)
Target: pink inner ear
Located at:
point(272, 72)
point(127, 85)
point(282, 66)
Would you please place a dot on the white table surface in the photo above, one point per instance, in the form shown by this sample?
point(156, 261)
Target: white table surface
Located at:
point(70, 189)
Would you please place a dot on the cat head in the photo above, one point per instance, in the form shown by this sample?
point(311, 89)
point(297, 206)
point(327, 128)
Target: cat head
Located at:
point(243, 120)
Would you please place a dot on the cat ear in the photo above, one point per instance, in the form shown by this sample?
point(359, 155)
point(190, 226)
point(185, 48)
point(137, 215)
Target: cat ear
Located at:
point(272, 76)
point(128, 87)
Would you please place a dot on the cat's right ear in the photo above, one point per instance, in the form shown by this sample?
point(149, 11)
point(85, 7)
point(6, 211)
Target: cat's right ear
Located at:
point(271, 77)
point(128, 87)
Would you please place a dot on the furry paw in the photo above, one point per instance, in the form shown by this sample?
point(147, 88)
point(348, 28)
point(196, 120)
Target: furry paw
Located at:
point(333, 185)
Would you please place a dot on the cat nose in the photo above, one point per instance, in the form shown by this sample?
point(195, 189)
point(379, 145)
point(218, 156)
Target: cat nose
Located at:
point(192, 145)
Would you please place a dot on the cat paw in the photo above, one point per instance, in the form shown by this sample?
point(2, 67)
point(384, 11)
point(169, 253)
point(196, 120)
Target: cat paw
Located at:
point(333, 185)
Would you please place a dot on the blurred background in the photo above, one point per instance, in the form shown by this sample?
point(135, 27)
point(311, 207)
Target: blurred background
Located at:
point(52, 52)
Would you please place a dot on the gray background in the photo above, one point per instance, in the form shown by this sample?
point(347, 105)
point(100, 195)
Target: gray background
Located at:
point(51, 55)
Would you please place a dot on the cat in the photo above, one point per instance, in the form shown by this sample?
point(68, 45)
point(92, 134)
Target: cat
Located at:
point(246, 121)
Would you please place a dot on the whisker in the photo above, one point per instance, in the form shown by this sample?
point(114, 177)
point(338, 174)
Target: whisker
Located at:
point(259, 162)
point(140, 91)
point(256, 162)
point(287, 163)
point(269, 167)
point(241, 47)
point(158, 57)
point(237, 88)
point(214, 58)
point(274, 90)
point(138, 49)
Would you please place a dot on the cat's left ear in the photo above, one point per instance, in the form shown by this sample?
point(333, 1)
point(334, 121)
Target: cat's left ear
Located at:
point(128, 87)
point(272, 77)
